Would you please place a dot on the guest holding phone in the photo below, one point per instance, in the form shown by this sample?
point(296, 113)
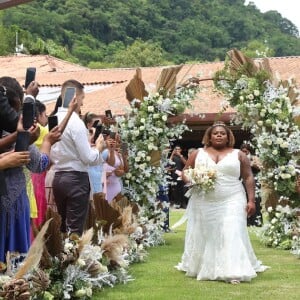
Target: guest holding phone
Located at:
point(38, 179)
point(14, 205)
point(113, 173)
point(71, 158)
point(92, 122)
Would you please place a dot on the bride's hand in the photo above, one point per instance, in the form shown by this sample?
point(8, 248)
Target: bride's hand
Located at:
point(250, 208)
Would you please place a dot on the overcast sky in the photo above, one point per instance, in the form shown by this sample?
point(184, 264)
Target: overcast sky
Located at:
point(289, 9)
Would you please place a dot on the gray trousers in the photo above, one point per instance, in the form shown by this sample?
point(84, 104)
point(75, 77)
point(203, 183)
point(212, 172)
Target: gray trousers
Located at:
point(71, 191)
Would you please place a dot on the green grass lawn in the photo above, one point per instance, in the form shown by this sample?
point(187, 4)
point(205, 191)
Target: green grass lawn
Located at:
point(158, 279)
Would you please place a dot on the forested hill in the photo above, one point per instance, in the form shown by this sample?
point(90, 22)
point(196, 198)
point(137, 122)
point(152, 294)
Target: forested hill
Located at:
point(106, 33)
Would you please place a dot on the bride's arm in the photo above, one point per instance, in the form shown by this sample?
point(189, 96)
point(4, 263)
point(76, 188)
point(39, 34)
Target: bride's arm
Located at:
point(248, 179)
point(189, 164)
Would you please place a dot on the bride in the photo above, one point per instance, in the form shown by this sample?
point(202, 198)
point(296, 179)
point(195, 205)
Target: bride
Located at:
point(217, 245)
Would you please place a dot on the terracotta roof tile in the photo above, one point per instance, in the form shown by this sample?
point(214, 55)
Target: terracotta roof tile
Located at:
point(53, 72)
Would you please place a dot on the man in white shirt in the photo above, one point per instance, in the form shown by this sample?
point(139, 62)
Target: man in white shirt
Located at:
point(71, 158)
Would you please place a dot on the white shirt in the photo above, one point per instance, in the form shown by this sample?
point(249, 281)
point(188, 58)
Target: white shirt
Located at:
point(73, 152)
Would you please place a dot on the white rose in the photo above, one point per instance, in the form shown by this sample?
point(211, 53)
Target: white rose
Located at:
point(279, 141)
point(270, 208)
point(155, 116)
point(260, 123)
point(268, 122)
point(251, 97)
point(273, 221)
point(284, 145)
point(143, 120)
point(285, 176)
point(150, 108)
point(142, 128)
point(256, 93)
point(164, 118)
point(275, 152)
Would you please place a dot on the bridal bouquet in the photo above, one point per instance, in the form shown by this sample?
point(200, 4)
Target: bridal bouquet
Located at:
point(201, 177)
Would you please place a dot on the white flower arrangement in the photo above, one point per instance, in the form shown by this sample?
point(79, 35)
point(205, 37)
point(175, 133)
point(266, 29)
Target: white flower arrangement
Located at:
point(146, 130)
point(201, 177)
point(269, 114)
point(279, 231)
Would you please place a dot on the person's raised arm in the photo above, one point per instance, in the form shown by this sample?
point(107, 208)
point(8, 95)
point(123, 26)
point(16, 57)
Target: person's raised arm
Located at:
point(189, 164)
point(50, 139)
point(248, 179)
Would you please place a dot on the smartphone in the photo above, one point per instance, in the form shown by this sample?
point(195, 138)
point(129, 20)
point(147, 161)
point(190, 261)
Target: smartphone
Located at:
point(124, 147)
point(105, 132)
point(98, 131)
point(95, 123)
point(52, 122)
point(30, 76)
point(69, 95)
point(28, 113)
point(112, 135)
point(108, 114)
point(22, 142)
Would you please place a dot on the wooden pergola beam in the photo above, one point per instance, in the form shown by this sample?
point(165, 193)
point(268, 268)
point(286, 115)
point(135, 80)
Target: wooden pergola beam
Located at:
point(10, 3)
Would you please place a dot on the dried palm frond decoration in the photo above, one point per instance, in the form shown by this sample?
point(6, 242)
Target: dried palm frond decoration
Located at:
point(136, 87)
point(239, 62)
point(265, 65)
point(294, 97)
point(166, 81)
point(119, 203)
point(155, 160)
point(53, 237)
point(105, 212)
point(34, 254)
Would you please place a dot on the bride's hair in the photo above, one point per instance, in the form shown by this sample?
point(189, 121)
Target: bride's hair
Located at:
point(207, 134)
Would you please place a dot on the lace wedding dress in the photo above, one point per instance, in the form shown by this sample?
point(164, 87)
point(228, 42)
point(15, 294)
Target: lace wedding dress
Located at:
point(217, 245)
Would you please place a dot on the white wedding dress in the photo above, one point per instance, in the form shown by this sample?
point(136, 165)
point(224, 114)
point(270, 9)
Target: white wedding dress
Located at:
point(217, 245)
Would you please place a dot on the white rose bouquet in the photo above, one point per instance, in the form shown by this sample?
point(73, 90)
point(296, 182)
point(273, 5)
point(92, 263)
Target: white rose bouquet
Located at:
point(201, 177)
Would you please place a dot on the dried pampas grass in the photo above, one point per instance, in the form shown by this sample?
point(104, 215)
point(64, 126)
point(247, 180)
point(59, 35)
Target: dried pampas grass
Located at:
point(113, 247)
